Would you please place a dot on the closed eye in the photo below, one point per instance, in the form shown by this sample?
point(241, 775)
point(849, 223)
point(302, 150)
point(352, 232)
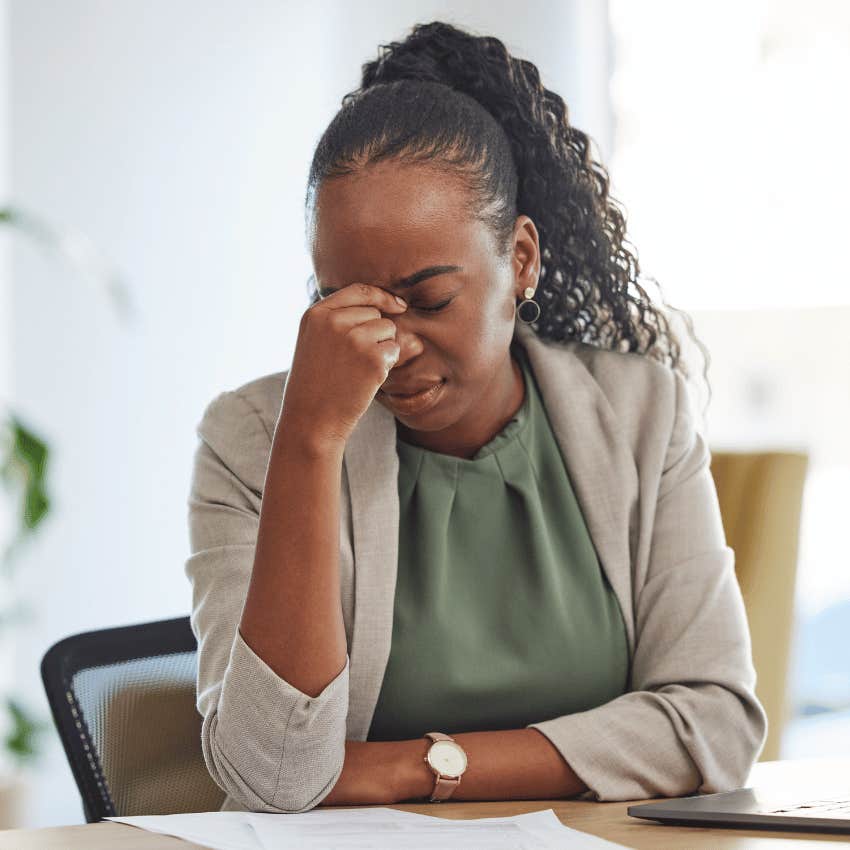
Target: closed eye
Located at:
point(436, 308)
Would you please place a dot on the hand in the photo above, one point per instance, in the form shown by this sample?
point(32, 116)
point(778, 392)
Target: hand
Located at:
point(344, 352)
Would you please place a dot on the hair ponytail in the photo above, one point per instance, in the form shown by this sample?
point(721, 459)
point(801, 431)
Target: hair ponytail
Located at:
point(447, 96)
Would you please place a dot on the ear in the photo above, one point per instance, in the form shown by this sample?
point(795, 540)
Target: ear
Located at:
point(525, 255)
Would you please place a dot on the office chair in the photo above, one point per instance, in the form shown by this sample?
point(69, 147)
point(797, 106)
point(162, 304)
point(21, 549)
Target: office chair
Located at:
point(123, 700)
point(761, 495)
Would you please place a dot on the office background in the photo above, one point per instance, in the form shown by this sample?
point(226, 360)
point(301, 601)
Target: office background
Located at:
point(177, 137)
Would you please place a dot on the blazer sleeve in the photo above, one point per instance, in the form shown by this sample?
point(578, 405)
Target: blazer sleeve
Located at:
point(691, 721)
point(267, 744)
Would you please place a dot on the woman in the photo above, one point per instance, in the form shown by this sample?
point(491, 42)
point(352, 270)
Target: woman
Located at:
point(527, 555)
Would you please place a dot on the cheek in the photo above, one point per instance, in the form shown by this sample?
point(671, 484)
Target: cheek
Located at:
point(482, 337)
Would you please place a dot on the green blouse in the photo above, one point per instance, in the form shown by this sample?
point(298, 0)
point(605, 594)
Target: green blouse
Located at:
point(502, 614)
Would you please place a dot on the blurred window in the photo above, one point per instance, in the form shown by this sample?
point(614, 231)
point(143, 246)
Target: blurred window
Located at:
point(730, 140)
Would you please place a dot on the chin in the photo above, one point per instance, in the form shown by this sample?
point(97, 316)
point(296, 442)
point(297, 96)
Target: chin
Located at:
point(425, 421)
point(428, 420)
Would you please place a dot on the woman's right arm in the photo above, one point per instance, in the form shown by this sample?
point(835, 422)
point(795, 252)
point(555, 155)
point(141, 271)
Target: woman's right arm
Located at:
point(293, 612)
point(264, 533)
point(268, 744)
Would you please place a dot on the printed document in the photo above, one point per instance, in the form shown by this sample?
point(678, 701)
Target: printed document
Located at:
point(368, 828)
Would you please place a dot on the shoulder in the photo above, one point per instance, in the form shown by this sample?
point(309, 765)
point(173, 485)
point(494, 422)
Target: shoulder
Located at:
point(632, 383)
point(253, 405)
point(649, 399)
point(623, 374)
point(238, 425)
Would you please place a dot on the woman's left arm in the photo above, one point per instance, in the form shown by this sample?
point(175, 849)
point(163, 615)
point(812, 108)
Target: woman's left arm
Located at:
point(690, 723)
point(514, 764)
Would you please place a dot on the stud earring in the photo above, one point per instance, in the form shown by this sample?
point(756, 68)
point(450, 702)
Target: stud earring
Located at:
point(529, 294)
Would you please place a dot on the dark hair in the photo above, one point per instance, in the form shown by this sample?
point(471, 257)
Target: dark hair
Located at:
point(455, 100)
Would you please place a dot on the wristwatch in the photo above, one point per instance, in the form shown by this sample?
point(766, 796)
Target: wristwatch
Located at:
point(448, 761)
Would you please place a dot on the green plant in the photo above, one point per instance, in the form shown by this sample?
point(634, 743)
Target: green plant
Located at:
point(24, 458)
point(23, 465)
point(20, 742)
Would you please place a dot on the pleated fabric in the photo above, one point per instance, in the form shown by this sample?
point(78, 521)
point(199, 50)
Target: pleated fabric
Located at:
point(503, 615)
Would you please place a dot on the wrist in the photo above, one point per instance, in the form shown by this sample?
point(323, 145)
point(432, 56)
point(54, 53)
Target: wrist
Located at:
point(414, 779)
point(306, 442)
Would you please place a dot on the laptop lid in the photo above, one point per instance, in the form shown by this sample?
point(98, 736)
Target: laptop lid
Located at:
point(765, 808)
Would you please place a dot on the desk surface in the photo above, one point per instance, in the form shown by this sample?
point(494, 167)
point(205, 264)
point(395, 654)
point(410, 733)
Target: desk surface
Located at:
point(607, 820)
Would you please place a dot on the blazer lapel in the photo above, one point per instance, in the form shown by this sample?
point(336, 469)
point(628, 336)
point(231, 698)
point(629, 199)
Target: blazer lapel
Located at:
point(371, 461)
point(601, 469)
point(596, 455)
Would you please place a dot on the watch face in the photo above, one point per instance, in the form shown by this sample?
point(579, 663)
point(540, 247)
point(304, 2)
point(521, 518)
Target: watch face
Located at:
point(447, 757)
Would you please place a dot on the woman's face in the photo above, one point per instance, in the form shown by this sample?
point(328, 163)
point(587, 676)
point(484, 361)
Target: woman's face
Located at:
point(391, 221)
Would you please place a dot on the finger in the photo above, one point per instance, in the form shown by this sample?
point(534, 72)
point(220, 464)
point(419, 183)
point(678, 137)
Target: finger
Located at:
point(358, 294)
point(348, 317)
point(374, 331)
point(391, 351)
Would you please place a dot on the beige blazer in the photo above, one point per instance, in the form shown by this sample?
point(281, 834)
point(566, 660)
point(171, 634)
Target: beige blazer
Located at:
point(640, 468)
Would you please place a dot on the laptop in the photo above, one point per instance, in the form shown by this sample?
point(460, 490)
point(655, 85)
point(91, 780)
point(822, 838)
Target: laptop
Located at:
point(761, 808)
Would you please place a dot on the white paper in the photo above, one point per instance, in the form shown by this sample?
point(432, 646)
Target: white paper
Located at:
point(547, 821)
point(368, 828)
point(377, 828)
point(219, 830)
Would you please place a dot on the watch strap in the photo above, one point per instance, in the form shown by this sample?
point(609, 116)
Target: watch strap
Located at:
point(438, 736)
point(444, 788)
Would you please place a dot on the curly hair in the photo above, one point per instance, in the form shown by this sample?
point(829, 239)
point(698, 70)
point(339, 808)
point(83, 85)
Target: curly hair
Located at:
point(462, 102)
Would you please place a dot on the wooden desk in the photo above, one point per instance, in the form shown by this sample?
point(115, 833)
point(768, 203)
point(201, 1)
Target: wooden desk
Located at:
point(607, 820)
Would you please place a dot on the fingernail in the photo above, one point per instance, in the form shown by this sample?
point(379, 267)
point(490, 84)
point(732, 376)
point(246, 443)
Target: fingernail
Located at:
point(400, 300)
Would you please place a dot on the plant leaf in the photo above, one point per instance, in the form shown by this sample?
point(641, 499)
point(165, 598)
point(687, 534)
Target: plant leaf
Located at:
point(21, 741)
point(24, 468)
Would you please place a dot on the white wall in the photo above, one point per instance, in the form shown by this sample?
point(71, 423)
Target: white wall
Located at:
point(178, 137)
point(5, 320)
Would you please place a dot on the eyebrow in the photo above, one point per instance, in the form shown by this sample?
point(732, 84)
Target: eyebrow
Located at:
point(412, 279)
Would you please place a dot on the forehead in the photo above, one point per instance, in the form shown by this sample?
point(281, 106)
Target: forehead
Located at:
point(390, 219)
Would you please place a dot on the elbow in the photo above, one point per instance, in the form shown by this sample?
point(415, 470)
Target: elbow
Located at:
point(302, 786)
point(293, 799)
point(296, 782)
point(736, 746)
point(268, 745)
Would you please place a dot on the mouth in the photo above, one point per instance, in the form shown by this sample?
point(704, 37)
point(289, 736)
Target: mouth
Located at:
point(416, 403)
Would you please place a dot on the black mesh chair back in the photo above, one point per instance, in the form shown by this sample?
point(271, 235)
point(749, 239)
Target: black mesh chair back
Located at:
point(123, 700)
